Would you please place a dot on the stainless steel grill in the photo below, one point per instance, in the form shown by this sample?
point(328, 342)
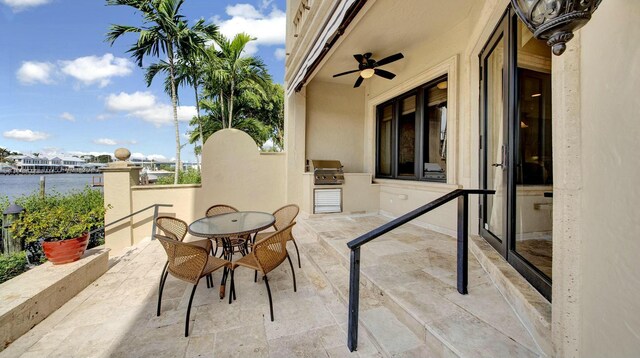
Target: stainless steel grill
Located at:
point(327, 172)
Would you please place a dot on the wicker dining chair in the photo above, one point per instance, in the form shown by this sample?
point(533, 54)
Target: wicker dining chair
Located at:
point(188, 262)
point(220, 209)
point(237, 243)
point(176, 229)
point(284, 216)
point(267, 254)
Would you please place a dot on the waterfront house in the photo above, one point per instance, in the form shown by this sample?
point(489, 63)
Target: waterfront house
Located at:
point(42, 164)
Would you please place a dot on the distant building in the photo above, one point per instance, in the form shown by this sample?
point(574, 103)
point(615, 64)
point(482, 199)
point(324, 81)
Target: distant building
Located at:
point(30, 164)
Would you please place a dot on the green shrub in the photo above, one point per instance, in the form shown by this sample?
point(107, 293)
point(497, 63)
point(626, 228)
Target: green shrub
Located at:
point(12, 265)
point(59, 216)
point(189, 176)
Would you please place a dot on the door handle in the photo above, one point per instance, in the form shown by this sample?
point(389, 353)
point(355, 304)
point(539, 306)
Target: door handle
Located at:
point(504, 157)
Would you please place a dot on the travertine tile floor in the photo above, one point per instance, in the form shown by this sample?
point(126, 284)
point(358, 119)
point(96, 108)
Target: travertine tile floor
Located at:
point(413, 271)
point(115, 317)
point(411, 266)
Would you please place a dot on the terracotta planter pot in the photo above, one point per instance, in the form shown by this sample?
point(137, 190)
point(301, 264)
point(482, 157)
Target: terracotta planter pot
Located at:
point(65, 251)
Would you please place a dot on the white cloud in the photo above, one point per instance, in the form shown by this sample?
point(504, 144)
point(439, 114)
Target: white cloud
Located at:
point(162, 114)
point(280, 53)
point(144, 105)
point(31, 72)
point(103, 117)
point(105, 141)
point(157, 157)
point(68, 117)
point(127, 102)
point(87, 70)
point(243, 10)
point(109, 141)
point(25, 135)
point(93, 69)
point(18, 5)
point(267, 28)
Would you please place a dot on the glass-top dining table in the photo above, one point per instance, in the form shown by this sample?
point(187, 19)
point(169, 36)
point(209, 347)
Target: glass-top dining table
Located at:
point(226, 226)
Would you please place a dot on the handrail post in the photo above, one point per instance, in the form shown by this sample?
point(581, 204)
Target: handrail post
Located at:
point(463, 243)
point(153, 224)
point(354, 299)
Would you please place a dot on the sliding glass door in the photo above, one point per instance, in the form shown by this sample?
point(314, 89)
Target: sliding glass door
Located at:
point(515, 147)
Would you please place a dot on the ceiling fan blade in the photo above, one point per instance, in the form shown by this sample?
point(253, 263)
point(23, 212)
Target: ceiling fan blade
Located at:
point(359, 58)
point(390, 59)
point(385, 74)
point(345, 73)
point(358, 82)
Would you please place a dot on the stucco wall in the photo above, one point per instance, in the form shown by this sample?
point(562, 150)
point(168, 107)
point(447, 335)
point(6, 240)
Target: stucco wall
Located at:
point(234, 172)
point(610, 210)
point(182, 197)
point(335, 126)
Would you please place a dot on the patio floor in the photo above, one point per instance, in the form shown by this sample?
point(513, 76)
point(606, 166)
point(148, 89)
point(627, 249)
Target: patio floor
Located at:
point(409, 305)
point(115, 316)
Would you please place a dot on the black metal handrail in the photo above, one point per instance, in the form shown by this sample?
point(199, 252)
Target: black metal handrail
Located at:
point(153, 225)
point(462, 256)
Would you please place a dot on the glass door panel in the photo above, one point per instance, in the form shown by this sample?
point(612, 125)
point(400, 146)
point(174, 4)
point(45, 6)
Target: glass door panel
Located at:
point(385, 135)
point(495, 139)
point(533, 155)
point(407, 137)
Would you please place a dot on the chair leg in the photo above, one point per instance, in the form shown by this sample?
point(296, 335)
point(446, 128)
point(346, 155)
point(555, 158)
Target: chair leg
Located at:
point(293, 273)
point(297, 252)
point(164, 269)
point(186, 325)
point(255, 276)
point(209, 281)
point(162, 281)
point(266, 282)
point(232, 292)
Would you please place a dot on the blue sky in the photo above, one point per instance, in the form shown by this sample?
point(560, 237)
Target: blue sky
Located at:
point(63, 90)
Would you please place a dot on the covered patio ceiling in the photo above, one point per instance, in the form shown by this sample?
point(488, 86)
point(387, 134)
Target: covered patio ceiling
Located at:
point(388, 27)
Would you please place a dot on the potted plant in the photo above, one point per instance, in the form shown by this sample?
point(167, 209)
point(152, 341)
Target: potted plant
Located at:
point(63, 228)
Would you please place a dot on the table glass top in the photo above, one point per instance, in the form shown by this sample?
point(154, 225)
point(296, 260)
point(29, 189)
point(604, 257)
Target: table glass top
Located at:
point(232, 223)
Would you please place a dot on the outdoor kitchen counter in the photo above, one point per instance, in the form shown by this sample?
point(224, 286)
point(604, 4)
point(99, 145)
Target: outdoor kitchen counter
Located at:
point(359, 194)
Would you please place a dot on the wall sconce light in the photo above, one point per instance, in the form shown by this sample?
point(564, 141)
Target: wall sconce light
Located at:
point(555, 20)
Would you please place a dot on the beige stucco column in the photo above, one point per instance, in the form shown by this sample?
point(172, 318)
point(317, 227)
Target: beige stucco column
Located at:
point(567, 192)
point(119, 177)
point(295, 144)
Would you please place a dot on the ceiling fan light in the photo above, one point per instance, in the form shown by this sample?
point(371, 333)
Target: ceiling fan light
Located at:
point(367, 73)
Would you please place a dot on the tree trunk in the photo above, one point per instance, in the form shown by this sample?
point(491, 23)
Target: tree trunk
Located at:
point(174, 103)
point(221, 99)
point(233, 85)
point(195, 87)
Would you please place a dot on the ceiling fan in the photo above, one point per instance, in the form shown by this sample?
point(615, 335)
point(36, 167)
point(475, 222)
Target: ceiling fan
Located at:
point(367, 67)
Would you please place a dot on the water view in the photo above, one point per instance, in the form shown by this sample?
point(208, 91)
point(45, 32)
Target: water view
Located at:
point(15, 186)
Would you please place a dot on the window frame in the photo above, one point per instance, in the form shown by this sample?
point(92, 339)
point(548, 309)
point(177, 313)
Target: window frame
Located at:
point(420, 138)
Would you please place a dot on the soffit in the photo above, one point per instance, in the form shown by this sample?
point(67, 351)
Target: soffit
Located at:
point(389, 27)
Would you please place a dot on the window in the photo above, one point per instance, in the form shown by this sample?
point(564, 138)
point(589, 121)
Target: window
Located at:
point(412, 134)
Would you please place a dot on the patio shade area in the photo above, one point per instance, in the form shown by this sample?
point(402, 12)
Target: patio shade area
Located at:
point(409, 305)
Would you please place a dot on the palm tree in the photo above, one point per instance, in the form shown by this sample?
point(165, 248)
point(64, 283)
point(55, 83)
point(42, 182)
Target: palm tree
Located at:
point(164, 32)
point(230, 71)
point(213, 122)
point(188, 72)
